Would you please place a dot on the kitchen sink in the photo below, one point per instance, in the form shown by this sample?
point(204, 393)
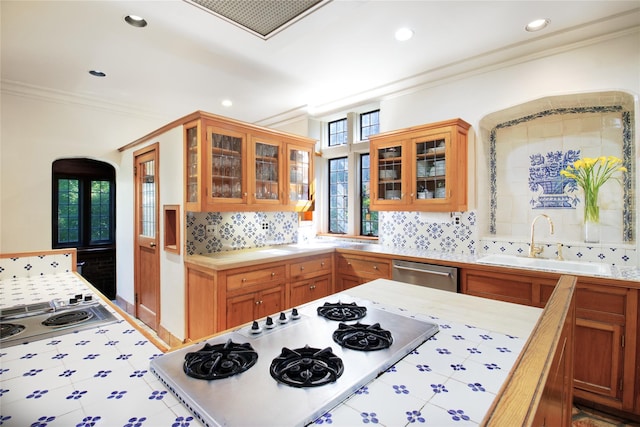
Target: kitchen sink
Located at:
point(575, 267)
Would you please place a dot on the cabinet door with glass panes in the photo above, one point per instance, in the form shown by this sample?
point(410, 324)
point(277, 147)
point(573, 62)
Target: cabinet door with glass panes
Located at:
point(226, 180)
point(265, 174)
point(193, 165)
point(430, 180)
point(299, 175)
point(389, 174)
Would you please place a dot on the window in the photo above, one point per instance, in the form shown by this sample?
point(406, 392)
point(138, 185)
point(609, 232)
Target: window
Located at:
point(338, 132)
point(338, 195)
point(368, 219)
point(83, 203)
point(369, 124)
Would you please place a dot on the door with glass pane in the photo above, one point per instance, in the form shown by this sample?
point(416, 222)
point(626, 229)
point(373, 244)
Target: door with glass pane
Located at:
point(265, 175)
point(300, 173)
point(388, 173)
point(225, 162)
point(146, 256)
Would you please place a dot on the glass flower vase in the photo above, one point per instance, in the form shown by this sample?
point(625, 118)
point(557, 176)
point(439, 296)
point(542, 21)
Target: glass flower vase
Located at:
point(591, 218)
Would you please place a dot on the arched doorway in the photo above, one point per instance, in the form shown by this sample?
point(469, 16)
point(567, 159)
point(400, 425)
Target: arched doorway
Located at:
point(83, 217)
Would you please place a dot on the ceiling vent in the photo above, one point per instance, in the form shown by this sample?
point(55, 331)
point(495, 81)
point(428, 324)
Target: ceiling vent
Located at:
point(263, 18)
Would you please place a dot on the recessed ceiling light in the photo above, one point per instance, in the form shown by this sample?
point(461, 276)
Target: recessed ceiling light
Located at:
point(537, 25)
point(135, 21)
point(403, 34)
point(226, 103)
point(97, 73)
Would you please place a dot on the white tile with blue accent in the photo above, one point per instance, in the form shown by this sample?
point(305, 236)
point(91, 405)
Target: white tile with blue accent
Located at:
point(450, 380)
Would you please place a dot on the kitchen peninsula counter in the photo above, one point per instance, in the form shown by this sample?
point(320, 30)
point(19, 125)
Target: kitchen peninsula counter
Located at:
point(101, 376)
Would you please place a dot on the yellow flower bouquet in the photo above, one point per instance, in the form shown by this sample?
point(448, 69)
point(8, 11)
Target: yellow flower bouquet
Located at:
point(590, 174)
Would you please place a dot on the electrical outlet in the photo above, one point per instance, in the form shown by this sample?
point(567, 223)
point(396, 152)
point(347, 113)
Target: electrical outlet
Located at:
point(209, 230)
point(265, 225)
point(456, 219)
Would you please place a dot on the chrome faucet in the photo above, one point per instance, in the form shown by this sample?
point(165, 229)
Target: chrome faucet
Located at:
point(534, 250)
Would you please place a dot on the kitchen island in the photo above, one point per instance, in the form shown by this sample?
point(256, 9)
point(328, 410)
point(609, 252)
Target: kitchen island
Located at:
point(101, 376)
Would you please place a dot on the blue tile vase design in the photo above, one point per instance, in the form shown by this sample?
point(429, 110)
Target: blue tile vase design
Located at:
point(544, 172)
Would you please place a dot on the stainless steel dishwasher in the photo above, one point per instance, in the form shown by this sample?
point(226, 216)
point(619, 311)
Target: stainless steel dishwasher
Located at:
point(429, 275)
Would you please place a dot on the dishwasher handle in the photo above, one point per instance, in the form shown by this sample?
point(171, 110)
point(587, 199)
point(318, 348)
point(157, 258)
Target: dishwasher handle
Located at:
point(437, 273)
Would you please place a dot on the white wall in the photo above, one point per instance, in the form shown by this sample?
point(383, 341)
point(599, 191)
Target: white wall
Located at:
point(34, 133)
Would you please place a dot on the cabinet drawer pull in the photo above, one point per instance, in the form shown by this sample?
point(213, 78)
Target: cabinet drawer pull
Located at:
point(273, 274)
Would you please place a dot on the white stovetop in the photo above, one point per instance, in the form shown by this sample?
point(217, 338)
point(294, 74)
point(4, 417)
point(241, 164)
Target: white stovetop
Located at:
point(100, 376)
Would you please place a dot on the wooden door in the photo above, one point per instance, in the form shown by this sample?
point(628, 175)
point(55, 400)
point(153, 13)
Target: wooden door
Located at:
point(146, 254)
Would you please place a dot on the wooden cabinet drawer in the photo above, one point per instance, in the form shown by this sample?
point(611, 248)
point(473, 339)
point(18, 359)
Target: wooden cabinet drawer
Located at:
point(311, 267)
point(367, 268)
point(263, 276)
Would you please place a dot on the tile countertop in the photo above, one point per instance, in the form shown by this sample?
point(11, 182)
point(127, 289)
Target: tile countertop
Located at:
point(96, 377)
point(247, 257)
point(100, 376)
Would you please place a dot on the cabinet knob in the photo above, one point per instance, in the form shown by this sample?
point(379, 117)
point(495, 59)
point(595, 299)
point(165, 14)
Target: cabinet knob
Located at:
point(244, 279)
point(322, 264)
point(273, 274)
point(301, 267)
point(375, 267)
point(258, 302)
point(348, 263)
point(312, 287)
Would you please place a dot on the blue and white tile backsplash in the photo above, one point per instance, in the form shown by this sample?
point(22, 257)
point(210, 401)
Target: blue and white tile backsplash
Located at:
point(210, 232)
point(444, 232)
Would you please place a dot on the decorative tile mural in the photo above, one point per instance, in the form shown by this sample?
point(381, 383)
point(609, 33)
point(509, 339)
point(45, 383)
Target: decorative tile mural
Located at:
point(550, 140)
point(544, 174)
point(209, 232)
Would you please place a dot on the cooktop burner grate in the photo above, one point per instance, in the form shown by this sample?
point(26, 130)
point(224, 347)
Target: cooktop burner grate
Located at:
point(307, 367)
point(10, 329)
point(363, 337)
point(216, 361)
point(342, 312)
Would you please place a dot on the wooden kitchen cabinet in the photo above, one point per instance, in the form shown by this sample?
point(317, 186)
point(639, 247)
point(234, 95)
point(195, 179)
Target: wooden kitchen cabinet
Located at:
point(421, 168)
point(354, 270)
point(253, 292)
point(254, 305)
point(235, 166)
point(605, 339)
point(201, 302)
point(311, 278)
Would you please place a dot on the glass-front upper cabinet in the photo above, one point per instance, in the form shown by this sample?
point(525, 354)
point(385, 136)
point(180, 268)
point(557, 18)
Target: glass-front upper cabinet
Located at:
point(231, 166)
point(387, 173)
point(193, 158)
point(300, 171)
point(421, 168)
point(267, 170)
point(226, 160)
